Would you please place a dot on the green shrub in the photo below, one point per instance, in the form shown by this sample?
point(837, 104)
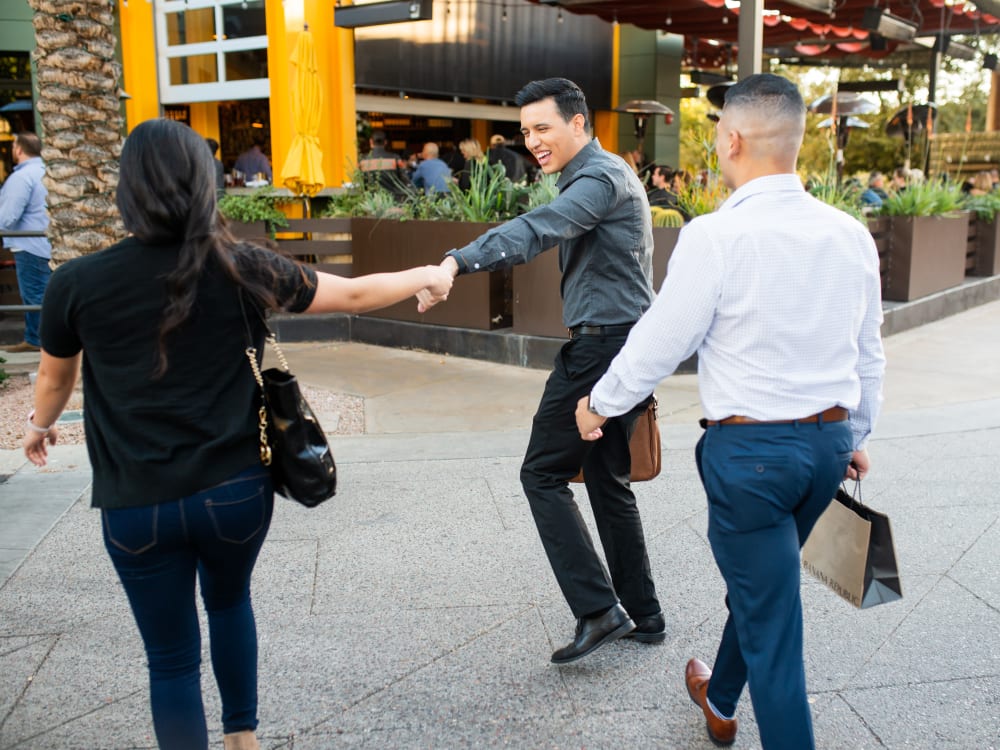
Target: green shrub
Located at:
point(985, 206)
point(932, 198)
point(260, 205)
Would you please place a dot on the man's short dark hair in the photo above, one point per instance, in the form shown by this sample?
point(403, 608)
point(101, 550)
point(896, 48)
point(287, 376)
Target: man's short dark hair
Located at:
point(29, 143)
point(213, 145)
point(378, 137)
point(665, 170)
point(767, 89)
point(567, 95)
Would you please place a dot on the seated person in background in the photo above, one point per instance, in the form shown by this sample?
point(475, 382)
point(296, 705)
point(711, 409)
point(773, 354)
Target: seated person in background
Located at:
point(472, 153)
point(253, 161)
point(432, 174)
point(512, 162)
point(662, 194)
point(381, 166)
point(899, 175)
point(982, 184)
point(875, 194)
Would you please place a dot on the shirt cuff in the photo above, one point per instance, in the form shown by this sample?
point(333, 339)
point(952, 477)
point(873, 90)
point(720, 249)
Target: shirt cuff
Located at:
point(463, 265)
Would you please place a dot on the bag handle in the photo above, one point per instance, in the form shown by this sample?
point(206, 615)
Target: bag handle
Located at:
point(251, 352)
point(270, 338)
point(854, 494)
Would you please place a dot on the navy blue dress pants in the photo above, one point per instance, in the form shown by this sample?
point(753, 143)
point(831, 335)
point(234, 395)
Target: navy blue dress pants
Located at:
point(767, 484)
point(555, 454)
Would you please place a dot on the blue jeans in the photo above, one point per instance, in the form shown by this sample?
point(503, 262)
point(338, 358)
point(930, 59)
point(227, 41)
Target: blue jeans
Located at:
point(32, 277)
point(157, 551)
point(767, 484)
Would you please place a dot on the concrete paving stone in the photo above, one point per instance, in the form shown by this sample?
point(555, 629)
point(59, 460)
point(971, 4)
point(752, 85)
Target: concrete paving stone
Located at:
point(20, 658)
point(372, 658)
point(945, 714)
point(932, 538)
point(459, 447)
point(840, 640)
point(837, 725)
point(949, 634)
point(123, 724)
point(976, 571)
point(31, 503)
point(284, 578)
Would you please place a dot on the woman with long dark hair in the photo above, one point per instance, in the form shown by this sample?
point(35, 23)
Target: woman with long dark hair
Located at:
point(170, 413)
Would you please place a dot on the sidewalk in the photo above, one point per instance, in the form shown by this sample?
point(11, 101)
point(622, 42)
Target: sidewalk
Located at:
point(416, 609)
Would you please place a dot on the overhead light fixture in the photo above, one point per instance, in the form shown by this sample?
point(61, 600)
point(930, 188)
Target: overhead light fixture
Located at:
point(377, 14)
point(948, 46)
point(820, 6)
point(895, 84)
point(888, 25)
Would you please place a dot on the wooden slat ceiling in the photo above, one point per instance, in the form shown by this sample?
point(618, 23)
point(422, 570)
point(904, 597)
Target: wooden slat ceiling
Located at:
point(791, 33)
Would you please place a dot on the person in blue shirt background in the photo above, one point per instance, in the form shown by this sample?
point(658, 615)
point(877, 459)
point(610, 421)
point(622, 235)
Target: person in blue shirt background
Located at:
point(22, 209)
point(432, 174)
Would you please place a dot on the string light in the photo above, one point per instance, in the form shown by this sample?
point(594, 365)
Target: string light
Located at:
point(670, 19)
point(559, 18)
point(503, 16)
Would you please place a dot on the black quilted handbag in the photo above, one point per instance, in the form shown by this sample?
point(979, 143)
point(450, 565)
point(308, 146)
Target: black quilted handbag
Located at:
point(292, 443)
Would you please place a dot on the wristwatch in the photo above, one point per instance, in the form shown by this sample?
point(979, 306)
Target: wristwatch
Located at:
point(591, 409)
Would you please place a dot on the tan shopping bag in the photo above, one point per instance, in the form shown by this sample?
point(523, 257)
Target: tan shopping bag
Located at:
point(850, 549)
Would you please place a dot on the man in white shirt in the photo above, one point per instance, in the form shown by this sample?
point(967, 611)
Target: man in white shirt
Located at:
point(779, 294)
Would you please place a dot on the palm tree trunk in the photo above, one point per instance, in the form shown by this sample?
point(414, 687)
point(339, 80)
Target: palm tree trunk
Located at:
point(81, 122)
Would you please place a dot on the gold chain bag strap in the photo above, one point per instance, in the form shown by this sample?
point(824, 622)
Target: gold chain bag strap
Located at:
point(292, 442)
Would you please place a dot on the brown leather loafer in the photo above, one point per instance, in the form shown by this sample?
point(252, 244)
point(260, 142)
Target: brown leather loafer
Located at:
point(697, 675)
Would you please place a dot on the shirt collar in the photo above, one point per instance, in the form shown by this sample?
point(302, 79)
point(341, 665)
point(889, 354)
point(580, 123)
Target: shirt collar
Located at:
point(26, 162)
point(768, 184)
point(577, 162)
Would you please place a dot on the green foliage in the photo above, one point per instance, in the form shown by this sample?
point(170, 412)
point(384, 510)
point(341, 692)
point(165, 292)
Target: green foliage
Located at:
point(3, 373)
point(542, 192)
point(931, 198)
point(846, 196)
point(260, 205)
point(985, 206)
point(491, 197)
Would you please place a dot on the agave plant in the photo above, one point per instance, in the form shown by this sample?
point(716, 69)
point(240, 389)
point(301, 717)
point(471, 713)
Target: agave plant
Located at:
point(490, 197)
point(985, 206)
point(845, 195)
point(931, 198)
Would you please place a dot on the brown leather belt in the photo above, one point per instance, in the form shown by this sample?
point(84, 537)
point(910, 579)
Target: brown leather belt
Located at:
point(833, 414)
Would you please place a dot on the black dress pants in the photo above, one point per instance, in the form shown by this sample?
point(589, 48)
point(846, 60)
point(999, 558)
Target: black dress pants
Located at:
point(555, 453)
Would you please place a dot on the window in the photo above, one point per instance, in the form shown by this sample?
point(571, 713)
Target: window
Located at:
point(211, 50)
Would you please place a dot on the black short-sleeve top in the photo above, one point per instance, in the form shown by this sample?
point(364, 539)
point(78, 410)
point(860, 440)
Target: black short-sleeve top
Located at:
point(150, 439)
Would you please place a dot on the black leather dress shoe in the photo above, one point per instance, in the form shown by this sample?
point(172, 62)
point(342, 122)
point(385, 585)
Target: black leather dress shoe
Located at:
point(649, 629)
point(594, 632)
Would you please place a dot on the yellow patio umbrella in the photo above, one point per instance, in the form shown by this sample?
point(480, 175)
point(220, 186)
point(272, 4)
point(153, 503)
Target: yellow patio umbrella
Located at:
point(303, 169)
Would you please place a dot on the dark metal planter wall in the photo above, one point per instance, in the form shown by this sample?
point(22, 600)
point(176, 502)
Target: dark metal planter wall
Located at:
point(537, 297)
point(983, 254)
point(926, 255)
point(380, 245)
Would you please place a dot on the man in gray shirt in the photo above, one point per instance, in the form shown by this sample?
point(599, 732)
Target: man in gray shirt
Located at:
point(601, 223)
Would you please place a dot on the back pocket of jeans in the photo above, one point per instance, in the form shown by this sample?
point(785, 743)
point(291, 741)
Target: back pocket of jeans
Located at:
point(238, 520)
point(131, 530)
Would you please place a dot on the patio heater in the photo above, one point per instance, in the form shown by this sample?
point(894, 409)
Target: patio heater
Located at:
point(842, 108)
point(641, 110)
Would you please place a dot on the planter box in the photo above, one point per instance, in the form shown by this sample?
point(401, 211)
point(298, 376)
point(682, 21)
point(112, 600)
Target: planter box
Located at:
point(926, 255)
point(254, 230)
point(983, 246)
point(537, 287)
point(380, 245)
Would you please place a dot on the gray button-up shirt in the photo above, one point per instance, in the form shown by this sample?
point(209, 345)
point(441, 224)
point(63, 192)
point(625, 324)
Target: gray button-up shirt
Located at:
point(602, 225)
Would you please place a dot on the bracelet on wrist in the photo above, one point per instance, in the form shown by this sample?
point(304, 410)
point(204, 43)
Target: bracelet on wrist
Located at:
point(34, 427)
